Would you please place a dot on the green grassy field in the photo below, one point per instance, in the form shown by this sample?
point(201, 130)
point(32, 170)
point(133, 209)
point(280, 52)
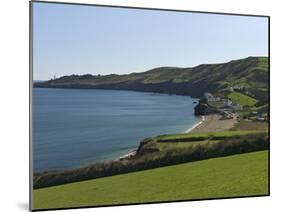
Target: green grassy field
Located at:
point(203, 136)
point(239, 175)
point(173, 146)
point(251, 125)
point(242, 99)
point(170, 142)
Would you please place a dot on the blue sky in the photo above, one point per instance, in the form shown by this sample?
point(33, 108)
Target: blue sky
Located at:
point(71, 39)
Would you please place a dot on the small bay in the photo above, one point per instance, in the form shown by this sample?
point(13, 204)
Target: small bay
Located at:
point(74, 127)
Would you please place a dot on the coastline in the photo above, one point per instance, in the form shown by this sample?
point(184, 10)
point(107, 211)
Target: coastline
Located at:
point(128, 155)
point(133, 152)
point(196, 125)
point(214, 123)
point(208, 123)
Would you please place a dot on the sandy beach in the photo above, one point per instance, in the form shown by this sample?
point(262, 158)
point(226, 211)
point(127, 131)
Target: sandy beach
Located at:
point(128, 155)
point(214, 123)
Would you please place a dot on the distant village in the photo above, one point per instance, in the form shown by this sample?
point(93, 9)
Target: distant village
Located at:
point(227, 108)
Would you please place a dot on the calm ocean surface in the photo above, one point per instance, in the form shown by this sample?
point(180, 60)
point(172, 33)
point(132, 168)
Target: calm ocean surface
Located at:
point(73, 127)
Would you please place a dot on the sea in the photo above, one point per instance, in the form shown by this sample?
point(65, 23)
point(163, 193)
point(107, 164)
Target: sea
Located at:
point(76, 127)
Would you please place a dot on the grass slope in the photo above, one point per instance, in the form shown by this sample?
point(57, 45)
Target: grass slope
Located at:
point(239, 175)
point(194, 136)
point(242, 99)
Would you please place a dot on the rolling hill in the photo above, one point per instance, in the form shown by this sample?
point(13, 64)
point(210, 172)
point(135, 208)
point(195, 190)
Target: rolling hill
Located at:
point(249, 75)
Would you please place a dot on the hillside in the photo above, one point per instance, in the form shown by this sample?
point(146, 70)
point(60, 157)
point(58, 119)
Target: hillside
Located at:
point(249, 75)
point(232, 176)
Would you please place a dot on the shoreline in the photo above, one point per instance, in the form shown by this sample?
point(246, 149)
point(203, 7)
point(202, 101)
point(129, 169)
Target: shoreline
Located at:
point(128, 155)
point(208, 123)
point(214, 123)
point(195, 125)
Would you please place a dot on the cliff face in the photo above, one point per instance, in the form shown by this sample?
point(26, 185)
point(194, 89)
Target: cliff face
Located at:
point(250, 73)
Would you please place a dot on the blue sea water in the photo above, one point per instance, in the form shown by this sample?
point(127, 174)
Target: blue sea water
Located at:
point(73, 127)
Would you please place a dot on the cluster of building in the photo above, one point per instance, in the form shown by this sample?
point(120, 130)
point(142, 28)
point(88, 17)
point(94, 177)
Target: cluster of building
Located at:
point(227, 104)
point(210, 98)
point(260, 116)
point(226, 107)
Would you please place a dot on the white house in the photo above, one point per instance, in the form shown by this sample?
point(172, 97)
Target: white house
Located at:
point(210, 98)
point(227, 103)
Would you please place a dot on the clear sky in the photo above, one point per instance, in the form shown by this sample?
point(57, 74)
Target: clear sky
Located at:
point(71, 39)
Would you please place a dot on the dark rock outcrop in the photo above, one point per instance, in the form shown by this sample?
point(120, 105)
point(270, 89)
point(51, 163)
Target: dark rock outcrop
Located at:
point(202, 109)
